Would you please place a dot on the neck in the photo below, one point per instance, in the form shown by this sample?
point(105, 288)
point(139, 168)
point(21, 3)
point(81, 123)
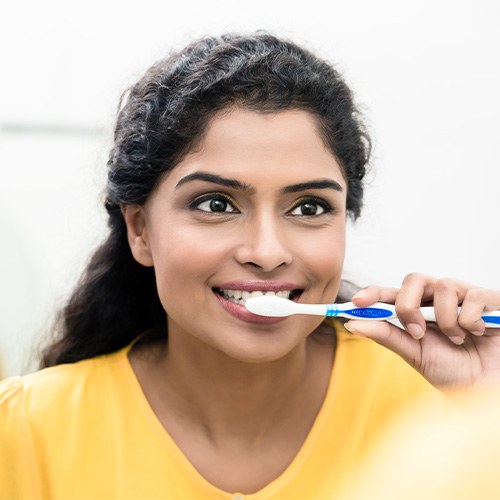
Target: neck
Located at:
point(222, 397)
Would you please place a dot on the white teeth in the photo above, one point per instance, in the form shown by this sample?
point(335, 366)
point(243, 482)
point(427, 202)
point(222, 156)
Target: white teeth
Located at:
point(240, 296)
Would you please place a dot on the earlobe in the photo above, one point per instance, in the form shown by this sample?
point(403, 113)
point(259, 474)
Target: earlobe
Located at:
point(137, 234)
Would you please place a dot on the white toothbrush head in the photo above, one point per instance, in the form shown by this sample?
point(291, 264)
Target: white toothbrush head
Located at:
point(270, 305)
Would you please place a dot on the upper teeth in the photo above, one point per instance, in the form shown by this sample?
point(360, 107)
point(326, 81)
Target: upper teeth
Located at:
point(242, 295)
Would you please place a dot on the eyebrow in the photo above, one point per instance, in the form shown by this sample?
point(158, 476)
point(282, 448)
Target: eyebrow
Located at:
point(319, 184)
point(242, 186)
point(216, 179)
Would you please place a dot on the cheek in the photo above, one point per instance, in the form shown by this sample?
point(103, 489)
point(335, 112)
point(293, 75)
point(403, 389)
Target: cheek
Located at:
point(184, 261)
point(324, 253)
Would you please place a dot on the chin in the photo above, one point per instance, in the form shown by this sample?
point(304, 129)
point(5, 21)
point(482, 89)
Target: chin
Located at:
point(261, 346)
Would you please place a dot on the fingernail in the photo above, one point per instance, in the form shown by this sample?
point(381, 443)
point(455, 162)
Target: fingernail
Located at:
point(478, 328)
point(415, 330)
point(457, 340)
point(477, 333)
point(349, 327)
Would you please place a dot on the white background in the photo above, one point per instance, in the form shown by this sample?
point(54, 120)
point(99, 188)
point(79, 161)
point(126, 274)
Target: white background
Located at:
point(426, 73)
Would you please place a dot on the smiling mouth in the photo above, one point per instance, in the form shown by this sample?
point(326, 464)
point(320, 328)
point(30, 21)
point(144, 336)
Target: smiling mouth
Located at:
point(241, 296)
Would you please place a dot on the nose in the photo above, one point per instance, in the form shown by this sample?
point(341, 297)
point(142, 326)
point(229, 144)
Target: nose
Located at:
point(264, 245)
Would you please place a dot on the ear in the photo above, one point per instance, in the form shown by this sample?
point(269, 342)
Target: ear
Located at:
point(137, 236)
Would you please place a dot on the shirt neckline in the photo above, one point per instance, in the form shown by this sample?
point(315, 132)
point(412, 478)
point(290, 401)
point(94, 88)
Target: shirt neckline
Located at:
point(192, 473)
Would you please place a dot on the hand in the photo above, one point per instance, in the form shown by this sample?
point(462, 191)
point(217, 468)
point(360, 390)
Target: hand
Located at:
point(457, 350)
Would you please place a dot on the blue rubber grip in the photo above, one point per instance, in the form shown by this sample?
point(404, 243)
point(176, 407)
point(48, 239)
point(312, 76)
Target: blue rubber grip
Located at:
point(369, 313)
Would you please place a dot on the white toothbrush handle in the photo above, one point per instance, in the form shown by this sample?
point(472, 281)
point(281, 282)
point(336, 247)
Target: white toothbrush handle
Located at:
point(491, 318)
point(429, 314)
point(312, 309)
point(383, 311)
point(279, 307)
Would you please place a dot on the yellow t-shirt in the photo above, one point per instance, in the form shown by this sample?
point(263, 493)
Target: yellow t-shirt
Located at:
point(86, 431)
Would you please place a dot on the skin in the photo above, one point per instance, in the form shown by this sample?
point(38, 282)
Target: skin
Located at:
point(222, 384)
point(239, 398)
point(455, 352)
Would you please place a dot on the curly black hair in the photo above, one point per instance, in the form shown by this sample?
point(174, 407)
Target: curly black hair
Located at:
point(162, 117)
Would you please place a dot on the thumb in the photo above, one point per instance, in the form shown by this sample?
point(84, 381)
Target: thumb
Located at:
point(389, 336)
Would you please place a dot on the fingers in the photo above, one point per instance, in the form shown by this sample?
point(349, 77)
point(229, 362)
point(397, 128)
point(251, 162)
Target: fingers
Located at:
point(451, 294)
point(374, 293)
point(475, 303)
point(416, 288)
point(445, 294)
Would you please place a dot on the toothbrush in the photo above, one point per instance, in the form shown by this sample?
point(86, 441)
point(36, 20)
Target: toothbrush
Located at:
point(270, 305)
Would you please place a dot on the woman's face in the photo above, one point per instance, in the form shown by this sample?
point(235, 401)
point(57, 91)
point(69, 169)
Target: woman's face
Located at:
point(260, 206)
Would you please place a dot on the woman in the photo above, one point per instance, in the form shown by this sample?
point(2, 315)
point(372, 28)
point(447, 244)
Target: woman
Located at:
point(235, 164)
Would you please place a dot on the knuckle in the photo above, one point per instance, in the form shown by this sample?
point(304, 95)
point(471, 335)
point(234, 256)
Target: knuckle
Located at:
point(413, 278)
point(405, 310)
point(475, 295)
point(445, 284)
point(407, 314)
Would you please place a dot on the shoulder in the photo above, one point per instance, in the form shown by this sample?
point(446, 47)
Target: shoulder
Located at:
point(46, 380)
point(51, 389)
point(11, 399)
point(51, 412)
point(18, 449)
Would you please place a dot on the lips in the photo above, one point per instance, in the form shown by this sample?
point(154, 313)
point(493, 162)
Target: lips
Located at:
point(241, 296)
point(233, 295)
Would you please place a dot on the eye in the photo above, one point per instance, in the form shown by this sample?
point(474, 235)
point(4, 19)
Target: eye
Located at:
point(213, 203)
point(310, 207)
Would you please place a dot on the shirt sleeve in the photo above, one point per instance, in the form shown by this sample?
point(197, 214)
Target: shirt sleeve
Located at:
point(19, 477)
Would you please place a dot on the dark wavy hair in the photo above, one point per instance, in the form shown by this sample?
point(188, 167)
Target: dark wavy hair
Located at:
point(162, 117)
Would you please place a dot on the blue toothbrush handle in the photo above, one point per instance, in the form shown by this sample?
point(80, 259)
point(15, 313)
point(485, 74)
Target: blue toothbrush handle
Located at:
point(348, 310)
point(381, 311)
point(491, 318)
point(491, 321)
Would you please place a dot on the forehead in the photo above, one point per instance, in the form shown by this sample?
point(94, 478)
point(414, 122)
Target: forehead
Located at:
point(241, 142)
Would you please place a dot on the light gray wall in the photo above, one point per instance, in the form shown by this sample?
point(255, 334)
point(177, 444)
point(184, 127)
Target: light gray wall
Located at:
point(426, 72)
